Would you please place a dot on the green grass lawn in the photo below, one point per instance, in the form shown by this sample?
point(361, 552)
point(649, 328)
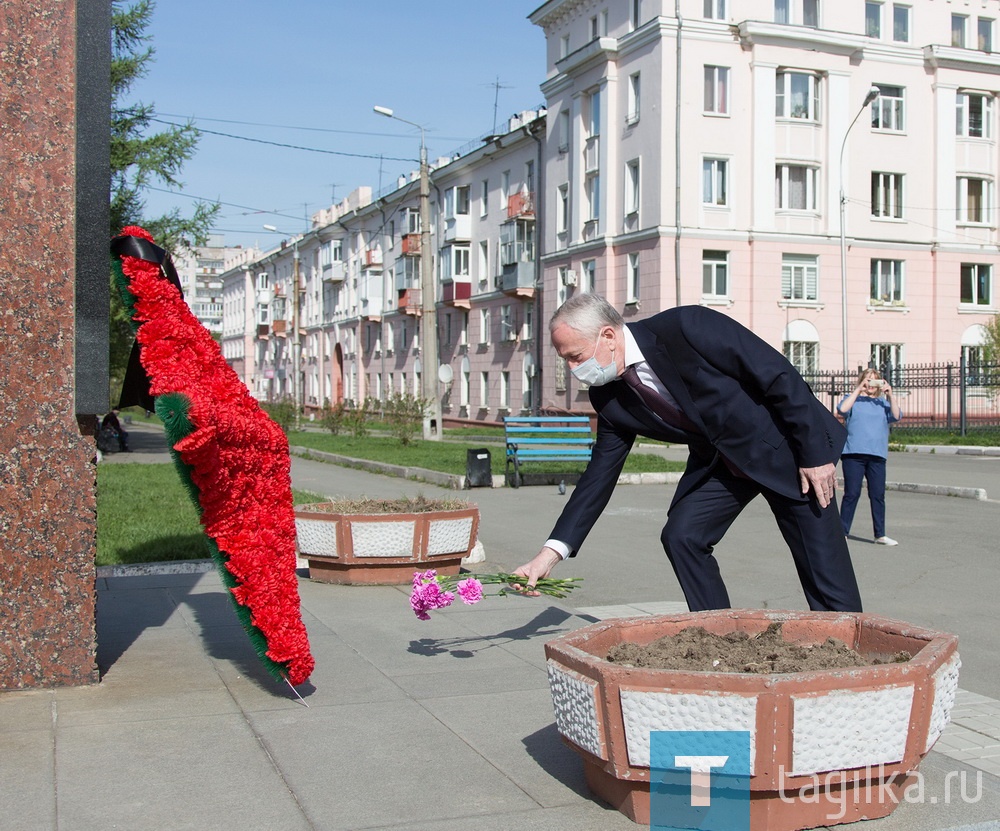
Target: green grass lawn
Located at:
point(145, 515)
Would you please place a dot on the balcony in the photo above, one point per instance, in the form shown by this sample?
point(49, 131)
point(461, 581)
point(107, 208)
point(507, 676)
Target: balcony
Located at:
point(334, 273)
point(518, 279)
point(521, 206)
point(263, 331)
point(457, 293)
point(372, 258)
point(458, 228)
point(411, 245)
point(279, 327)
point(409, 302)
point(371, 308)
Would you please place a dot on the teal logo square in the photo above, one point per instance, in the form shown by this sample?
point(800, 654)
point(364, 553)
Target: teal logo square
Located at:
point(699, 780)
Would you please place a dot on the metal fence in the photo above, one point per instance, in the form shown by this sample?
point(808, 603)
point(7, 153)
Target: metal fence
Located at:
point(948, 396)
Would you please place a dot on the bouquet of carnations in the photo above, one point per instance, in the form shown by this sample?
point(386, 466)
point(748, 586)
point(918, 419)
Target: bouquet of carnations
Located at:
point(433, 591)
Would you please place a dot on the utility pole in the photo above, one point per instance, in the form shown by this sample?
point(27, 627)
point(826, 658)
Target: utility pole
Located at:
point(296, 337)
point(428, 296)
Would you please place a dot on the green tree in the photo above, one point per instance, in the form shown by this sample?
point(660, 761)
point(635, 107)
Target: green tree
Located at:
point(141, 157)
point(991, 343)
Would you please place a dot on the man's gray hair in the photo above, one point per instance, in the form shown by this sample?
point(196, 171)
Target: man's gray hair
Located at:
point(587, 313)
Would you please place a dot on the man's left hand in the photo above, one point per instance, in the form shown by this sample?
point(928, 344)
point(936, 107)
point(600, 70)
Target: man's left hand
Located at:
point(821, 480)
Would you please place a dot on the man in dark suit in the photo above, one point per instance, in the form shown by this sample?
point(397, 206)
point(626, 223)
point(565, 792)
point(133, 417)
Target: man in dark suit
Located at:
point(752, 426)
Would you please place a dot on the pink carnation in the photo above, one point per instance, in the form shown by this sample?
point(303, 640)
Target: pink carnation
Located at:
point(429, 596)
point(471, 591)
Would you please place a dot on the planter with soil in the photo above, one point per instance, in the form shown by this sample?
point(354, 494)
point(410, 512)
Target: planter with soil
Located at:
point(373, 541)
point(836, 730)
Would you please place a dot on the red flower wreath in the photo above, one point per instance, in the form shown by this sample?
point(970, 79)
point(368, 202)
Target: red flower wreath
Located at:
point(237, 459)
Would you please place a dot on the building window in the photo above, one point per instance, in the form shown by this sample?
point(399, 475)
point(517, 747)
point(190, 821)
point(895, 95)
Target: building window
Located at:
point(484, 326)
point(563, 46)
point(887, 282)
point(588, 281)
point(886, 357)
point(484, 261)
point(635, 15)
point(900, 23)
point(504, 191)
point(717, 90)
point(484, 390)
point(799, 278)
point(977, 284)
point(795, 187)
point(508, 327)
point(634, 87)
point(632, 289)
point(797, 96)
point(800, 12)
point(632, 187)
point(593, 109)
point(984, 32)
point(484, 197)
point(505, 389)
point(714, 181)
point(887, 195)
point(528, 315)
point(873, 20)
point(715, 9)
point(562, 210)
point(593, 197)
point(959, 23)
point(974, 114)
point(887, 110)
point(562, 136)
point(974, 199)
point(715, 274)
point(803, 355)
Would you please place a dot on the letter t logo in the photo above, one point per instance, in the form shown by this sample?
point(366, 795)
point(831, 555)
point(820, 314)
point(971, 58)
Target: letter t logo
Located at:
point(701, 776)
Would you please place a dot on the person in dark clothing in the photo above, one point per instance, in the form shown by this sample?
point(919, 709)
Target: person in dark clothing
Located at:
point(753, 426)
point(112, 423)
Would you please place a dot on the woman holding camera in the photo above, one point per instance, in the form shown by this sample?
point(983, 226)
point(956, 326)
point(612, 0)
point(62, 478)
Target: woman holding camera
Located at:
point(868, 411)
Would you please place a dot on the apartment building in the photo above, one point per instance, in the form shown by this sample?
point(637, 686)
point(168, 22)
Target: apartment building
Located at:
point(200, 273)
point(731, 155)
point(701, 158)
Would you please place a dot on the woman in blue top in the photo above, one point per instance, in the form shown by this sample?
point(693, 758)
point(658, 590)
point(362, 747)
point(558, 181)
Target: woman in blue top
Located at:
point(867, 416)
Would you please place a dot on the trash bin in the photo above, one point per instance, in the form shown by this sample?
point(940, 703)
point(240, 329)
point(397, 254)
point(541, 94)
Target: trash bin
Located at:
point(478, 469)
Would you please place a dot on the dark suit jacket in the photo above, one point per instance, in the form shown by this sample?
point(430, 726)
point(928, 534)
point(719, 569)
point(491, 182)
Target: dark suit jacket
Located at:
point(748, 401)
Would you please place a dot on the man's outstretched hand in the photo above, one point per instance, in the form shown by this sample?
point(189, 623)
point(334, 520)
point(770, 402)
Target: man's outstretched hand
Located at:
point(533, 571)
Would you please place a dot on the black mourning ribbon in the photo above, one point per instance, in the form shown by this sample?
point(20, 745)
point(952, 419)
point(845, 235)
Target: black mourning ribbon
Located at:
point(135, 386)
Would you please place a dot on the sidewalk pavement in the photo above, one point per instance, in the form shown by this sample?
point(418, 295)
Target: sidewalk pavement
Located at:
point(447, 724)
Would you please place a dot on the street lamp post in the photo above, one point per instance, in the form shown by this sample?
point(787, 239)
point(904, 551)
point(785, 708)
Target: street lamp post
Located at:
point(296, 338)
point(428, 327)
point(871, 96)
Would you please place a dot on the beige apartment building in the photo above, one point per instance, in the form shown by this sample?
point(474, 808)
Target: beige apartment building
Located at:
point(732, 154)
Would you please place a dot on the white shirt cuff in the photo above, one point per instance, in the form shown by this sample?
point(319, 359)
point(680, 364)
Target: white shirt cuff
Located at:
point(560, 548)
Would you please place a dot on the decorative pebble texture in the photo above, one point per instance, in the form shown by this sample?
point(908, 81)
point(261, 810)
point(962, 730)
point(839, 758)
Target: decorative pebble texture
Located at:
point(575, 700)
point(849, 729)
point(945, 690)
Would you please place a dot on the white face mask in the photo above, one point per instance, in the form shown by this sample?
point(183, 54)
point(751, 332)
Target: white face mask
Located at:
point(590, 372)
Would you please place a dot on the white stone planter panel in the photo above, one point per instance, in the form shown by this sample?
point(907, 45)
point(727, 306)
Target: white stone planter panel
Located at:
point(575, 701)
point(644, 711)
point(448, 536)
point(316, 537)
point(945, 689)
point(382, 539)
point(849, 729)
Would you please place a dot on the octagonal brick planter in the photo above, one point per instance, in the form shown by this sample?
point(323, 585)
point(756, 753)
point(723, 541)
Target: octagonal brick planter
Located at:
point(873, 723)
point(374, 549)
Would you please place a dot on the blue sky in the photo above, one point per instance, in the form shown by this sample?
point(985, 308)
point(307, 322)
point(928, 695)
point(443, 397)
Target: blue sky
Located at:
point(307, 73)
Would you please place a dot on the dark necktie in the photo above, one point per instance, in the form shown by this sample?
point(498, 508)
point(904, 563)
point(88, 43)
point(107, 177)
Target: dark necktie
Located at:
point(657, 403)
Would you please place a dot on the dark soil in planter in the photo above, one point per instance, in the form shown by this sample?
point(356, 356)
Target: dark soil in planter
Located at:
point(696, 649)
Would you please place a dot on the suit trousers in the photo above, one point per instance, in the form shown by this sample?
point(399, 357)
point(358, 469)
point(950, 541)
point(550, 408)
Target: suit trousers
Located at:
point(815, 536)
